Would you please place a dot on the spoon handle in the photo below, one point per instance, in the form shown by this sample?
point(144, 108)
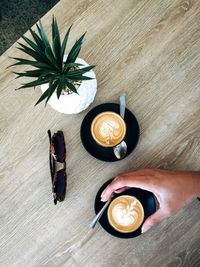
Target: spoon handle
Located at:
point(99, 214)
point(122, 100)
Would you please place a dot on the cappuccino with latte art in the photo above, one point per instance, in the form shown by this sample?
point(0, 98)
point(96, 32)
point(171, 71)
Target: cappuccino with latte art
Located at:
point(125, 214)
point(108, 129)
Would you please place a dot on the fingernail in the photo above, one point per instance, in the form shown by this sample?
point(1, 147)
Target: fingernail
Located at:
point(103, 199)
point(116, 191)
point(145, 228)
point(103, 193)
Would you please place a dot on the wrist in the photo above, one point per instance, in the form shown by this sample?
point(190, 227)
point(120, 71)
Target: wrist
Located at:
point(196, 184)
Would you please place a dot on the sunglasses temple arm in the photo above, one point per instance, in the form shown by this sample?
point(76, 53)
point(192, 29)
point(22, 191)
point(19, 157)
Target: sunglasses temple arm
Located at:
point(49, 134)
point(50, 162)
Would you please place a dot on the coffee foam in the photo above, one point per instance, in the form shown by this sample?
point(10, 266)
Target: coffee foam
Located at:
point(125, 214)
point(108, 129)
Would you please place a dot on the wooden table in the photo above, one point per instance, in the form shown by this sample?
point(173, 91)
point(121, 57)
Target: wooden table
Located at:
point(151, 50)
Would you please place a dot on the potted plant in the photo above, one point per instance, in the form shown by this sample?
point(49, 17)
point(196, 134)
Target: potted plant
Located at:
point(67, 82)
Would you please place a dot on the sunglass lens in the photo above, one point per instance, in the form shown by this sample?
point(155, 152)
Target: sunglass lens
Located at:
point(59, 186)
point(59, 146)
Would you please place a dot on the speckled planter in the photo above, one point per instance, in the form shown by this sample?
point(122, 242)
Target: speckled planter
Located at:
point(75, 103)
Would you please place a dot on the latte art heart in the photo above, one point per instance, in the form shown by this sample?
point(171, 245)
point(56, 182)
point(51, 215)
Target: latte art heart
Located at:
point(125, 213)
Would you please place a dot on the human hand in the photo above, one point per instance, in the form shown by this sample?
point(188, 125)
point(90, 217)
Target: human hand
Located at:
point(173, 190)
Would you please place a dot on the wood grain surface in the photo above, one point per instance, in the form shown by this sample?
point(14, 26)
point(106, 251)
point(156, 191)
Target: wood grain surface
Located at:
point(151, 50)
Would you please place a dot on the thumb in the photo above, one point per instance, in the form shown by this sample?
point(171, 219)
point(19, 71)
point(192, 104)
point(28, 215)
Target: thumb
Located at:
point(154, 219)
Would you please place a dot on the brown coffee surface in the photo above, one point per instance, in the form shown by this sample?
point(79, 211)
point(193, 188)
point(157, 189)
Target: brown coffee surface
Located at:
point(125, 214)
point(108, 129)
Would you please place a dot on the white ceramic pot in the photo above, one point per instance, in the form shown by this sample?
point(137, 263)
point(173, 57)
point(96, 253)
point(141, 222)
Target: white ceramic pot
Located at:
point(75, 103)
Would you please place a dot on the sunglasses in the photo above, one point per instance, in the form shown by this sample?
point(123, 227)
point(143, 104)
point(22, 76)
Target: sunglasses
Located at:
point(57, 156)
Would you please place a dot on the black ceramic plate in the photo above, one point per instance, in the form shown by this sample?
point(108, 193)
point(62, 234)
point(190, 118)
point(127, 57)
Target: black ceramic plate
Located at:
point(146, 198)
point(106, 153)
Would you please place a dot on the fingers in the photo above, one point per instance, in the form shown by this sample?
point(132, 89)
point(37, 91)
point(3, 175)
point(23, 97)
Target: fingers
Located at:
point(154, 219)
point(120, 190)
point(116, 185)
point(127, 180)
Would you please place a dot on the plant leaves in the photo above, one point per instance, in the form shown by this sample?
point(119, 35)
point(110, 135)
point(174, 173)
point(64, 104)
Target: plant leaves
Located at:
point(22, 61)
point(80, 78)
point(54, 28)
point(64, 43)
point(70, 65)
point(57, 52)
point(36, 64)
point(29, 73)
point(48, 61)
point(80, 71)
point(56, 43)
point(71, 87)
point(42, 33)
point(59, 89)
point(50, 56)
point(75, 50)
point(43, 96)
point(52, 88)
point(65, 64)
point(33, 54)
point(30, 43)
point(33, 83)
point(48, 75)
point(37, 39)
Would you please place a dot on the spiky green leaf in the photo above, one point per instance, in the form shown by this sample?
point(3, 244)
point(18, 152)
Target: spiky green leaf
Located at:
point(39, 51)
point(52, 88)
point(73, 54)
point(33, 84)
point(71, 87)
point(70, 65)
point(23, 61)
point(56, 43)
point(31, 43)
point(76, 52)
point(48, 75)
point(54, 30)
point(29, 73)
point(42, 33)
point(49, 54)
point(80, 71)
point(59, 89)
point(57, 53)
point(33, 54)
point(79, 78)
point(35, 64)
point(64, 43)
point(43, 96)
point(38, 40)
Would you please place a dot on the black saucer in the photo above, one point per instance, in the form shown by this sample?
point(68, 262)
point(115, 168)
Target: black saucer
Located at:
point(106, 153)
point(146, 198)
